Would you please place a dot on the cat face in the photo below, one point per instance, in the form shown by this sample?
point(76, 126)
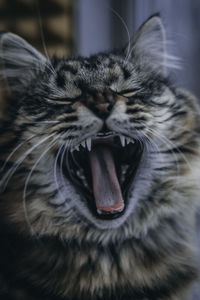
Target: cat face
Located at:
point(95, 138)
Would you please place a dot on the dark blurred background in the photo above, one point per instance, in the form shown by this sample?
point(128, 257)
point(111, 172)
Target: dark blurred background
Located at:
point(35, 19)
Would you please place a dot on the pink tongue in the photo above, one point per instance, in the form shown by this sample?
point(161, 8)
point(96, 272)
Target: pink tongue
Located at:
point(106, 188)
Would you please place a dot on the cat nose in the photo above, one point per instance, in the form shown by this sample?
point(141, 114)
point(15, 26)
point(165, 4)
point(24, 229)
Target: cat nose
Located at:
point(103, 110)
point(102, 107)
point(101, 104)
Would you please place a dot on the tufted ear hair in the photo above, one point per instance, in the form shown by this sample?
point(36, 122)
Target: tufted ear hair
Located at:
point(148, 47)
point(19, 61)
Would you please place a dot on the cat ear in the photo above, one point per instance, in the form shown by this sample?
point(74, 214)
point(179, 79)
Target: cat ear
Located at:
point(148, 46)
point(18, 60)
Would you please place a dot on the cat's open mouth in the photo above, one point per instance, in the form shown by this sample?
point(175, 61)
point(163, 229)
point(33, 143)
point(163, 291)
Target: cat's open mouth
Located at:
point(102, 169)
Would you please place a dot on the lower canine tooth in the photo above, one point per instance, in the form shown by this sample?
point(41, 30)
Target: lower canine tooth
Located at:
point(124, 169)
point(99, 211)
point(80, 174)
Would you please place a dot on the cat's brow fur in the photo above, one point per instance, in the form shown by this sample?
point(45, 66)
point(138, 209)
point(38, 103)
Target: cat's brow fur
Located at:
point(52, 246)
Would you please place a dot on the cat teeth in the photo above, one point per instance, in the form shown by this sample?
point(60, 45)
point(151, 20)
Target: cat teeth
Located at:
point(128, 140)
point(83, 144)
point(125, 140)
point(80, 174)
point(122, 139)
point(123, 172)
point(77, 147)
point(89, 143)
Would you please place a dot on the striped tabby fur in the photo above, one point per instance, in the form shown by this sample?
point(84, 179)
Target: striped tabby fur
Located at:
point(52, 244)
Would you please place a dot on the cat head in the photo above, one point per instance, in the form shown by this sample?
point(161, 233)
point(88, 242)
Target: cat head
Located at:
point(98, 131)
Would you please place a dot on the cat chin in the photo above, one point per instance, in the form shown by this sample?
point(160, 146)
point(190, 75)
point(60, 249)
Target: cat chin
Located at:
point(125, 219)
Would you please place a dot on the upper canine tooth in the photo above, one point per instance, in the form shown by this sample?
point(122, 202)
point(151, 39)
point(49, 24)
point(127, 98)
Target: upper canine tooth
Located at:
point(89, 143)
point(122, 138)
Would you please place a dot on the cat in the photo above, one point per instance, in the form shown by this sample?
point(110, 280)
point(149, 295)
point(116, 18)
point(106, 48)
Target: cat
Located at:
point(100, 168)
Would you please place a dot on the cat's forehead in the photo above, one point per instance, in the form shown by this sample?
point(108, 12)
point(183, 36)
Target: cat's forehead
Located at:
point(98, 70)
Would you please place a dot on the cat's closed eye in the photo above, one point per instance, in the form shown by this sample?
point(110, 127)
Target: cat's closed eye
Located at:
point(128, 93)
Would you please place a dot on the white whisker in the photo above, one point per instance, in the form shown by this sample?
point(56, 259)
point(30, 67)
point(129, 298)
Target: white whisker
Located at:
point(55, 171)
point(167, 141)
point(41, 122)
point(163, 139)
point(28, 179)
point(14, 150)
point(65, 146)
point(10, 173)
point(127, 31)
point(69, 169)
point(50, 66)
